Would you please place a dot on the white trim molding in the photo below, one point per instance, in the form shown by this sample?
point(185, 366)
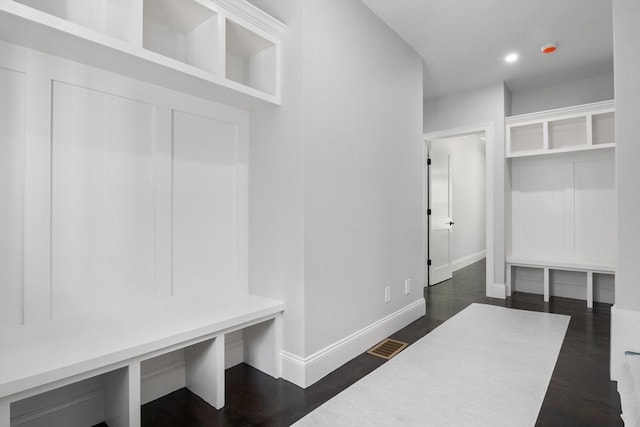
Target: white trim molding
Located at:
point(55, 415)
point(500, 291)
point(575, 110)
point(304, 371)
point(493, 290)
point(468, 260)
point(243, 10)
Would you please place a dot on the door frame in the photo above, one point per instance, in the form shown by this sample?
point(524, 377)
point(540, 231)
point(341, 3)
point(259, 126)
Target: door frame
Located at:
point(490, 181)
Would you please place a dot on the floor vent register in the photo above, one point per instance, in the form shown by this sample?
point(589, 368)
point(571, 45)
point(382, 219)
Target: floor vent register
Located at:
point(388, 348)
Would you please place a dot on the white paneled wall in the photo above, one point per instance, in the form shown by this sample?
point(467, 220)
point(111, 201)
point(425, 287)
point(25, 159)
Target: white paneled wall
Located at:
point(205, 153)
point(563, 207)
point(595, 197)
point(114, 192)
point(102, 200)
point(139, 177)
point(543, 209)
point(12, 110)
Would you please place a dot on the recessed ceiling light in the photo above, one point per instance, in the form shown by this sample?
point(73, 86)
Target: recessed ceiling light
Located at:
point(511, 58)
point(549, 48)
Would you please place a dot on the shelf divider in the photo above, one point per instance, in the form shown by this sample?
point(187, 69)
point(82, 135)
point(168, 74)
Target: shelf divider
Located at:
point(545, 135)
point(589, 129)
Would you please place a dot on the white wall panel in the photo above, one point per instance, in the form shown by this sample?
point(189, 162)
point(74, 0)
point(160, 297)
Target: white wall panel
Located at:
point(540, 207)
point(564, 207)
point(103, 200)
point(12, 122)
point(205, 156)
point(595, 193)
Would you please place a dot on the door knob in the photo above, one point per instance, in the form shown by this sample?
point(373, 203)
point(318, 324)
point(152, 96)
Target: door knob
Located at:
point(451, 222)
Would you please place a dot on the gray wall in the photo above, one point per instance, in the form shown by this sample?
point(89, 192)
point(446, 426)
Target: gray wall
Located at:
point(627, 95)
point(276, 186)
point(625, 315)
point(363, 170)
point(566, 94)
point(336, 174)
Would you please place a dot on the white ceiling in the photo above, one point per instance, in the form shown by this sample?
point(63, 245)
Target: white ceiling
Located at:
point(463, 42)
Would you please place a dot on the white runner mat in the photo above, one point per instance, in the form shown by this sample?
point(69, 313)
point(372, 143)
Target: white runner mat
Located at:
point(486, 366)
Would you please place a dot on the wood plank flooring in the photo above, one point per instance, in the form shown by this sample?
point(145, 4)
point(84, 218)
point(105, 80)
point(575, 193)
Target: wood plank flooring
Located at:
point(580, 393)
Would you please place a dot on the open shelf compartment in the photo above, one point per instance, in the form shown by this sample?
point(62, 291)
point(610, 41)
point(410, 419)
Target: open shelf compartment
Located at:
point(604, 131)
point(199, 367)
point(115, 18)
point(183, 30)
point(526, 137)
point(567, 132)
point(251, 59)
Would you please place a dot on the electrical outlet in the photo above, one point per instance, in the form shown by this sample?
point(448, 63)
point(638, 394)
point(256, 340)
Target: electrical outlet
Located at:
point(387, 294)
point(407, 286)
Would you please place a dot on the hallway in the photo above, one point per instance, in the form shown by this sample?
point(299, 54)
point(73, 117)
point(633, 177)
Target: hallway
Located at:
point(580, 393)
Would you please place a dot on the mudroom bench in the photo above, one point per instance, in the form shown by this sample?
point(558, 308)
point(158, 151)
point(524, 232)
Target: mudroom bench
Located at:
point(547, 265)
point(111, 346)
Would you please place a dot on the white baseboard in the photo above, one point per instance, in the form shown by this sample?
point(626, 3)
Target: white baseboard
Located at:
point(293, 368)
point(304, 371)
point(499, 290)
point(625, 336)
point(468, 260)
point(85, 409)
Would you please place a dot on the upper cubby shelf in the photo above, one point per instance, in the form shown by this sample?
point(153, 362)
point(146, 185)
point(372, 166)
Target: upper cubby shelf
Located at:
point(579, 128)
point(227, 51)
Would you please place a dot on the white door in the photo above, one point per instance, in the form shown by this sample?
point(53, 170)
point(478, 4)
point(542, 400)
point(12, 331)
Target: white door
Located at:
point(440, 219)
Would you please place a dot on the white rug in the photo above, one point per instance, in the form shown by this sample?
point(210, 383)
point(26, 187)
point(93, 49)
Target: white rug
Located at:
point(486, 366)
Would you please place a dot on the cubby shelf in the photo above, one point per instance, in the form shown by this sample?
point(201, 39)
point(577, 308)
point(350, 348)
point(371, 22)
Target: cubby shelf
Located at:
point(561, 194)
point(580, 128)
point(224, 51)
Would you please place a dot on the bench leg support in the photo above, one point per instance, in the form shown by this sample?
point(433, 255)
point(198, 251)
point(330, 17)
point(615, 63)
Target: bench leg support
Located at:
point(509, 279)
point(122, 397)
point(546, 284)
point(134, 394)
point(589, 289)
point(205, 370)
point(5, 413)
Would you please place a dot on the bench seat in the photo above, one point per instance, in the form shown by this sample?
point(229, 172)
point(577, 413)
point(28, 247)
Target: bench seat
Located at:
point(38, 358)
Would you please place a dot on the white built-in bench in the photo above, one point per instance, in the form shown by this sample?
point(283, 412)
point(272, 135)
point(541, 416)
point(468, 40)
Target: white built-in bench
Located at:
point(35, 359)
point(547, 265)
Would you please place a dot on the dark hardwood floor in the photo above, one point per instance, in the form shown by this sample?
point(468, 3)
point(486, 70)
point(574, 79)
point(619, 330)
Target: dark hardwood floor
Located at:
point(580, 393)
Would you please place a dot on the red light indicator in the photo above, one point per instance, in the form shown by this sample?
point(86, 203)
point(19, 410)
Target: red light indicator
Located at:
point(549, 48)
